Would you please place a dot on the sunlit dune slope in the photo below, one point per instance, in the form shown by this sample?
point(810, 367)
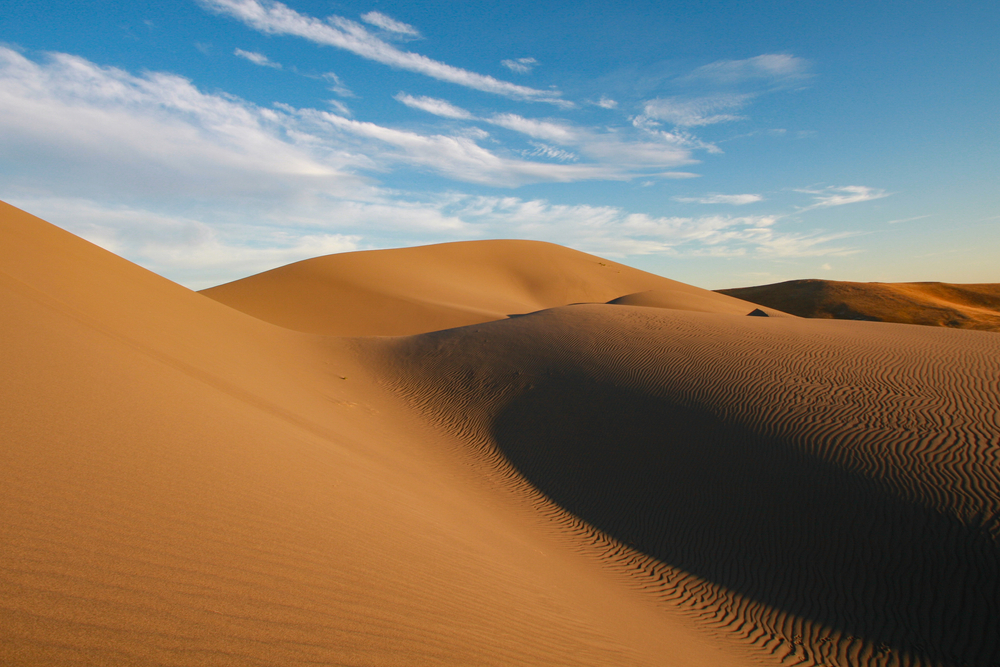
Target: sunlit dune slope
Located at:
point(973, 306)
point(187, 485)
point(827, 491)
point(414, 290)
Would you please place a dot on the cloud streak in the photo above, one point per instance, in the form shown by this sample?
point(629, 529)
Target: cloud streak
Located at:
point(840, 196)
point(735, 200)
point(434, 106)
point(256, 58)
point(520, 65)
point(693, 112)
point(773, 69)
point(389, 24)
point(275, 18)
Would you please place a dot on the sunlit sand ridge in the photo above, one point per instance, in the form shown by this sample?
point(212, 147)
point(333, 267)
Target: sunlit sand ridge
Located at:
point(974, 306)
point(657, 481)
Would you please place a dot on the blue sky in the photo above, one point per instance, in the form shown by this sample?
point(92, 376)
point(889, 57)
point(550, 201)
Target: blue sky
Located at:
point(718, 143)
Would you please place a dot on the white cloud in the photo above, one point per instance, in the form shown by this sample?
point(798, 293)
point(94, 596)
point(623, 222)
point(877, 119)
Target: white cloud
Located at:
point(340, 107)
point(839, 196)
point(462, 159)
point(606, 103)
point(434, 106)
point(538, 129)
point(736, 200)
point(612, 231)
point(337, 86)
point(94, 129)
point(772, 69)
point(389, 24)
point(276, 18)
point(520, 65)
point(619, 156)
point(919, 217)
point(256, 58)
point(551, 152)
point(692, 112)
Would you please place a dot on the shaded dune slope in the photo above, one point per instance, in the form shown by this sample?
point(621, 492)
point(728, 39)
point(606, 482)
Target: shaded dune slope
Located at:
point(414, 290)
point(828, 491)
point(973, 306)
point(187, 485)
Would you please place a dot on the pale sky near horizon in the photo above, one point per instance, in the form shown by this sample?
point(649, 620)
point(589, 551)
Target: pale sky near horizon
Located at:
point(722, 144)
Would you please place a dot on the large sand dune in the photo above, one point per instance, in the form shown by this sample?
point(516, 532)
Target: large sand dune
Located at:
point(657, 481)
point(415, 290)
point(973, 306)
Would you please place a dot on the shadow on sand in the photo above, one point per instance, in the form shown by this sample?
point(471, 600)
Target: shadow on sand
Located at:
point(760, 518)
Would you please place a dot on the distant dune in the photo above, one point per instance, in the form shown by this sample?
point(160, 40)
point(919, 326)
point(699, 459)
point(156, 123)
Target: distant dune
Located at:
point(552, 480)
point(973, 306)
point(414, 290)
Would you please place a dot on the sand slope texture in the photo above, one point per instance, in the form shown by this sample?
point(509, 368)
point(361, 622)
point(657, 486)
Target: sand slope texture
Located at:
point(657, 481)
point(974, 306)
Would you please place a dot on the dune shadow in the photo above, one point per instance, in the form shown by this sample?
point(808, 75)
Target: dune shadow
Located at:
point(760, 518)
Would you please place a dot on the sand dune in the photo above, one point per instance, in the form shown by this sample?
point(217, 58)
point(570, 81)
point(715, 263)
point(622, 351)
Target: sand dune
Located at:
point(415, 290)
point(187, 485)
point(828, 491)
point(975, 306)
point(661, 480)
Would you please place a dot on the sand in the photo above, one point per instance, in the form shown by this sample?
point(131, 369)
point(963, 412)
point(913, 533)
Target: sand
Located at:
point(416, 290)
point(658, 481)
point(971, 306)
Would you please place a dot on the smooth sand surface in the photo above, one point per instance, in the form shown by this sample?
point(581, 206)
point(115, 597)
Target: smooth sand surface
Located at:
point(633, 483)
point(972, 306)
point(415, 290)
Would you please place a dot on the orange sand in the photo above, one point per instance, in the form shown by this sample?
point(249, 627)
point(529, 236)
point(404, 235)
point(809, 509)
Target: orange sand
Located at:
point(657, 481)
point(975, 306)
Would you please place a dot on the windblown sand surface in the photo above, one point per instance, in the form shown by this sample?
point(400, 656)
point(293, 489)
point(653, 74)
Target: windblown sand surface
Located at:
point(974, 306)
point(657, 481)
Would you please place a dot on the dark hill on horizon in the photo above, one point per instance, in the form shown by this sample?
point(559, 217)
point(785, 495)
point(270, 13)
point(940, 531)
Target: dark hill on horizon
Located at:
point(968, 306)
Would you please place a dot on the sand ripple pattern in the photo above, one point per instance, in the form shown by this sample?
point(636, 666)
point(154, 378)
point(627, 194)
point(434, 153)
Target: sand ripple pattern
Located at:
point(826, 491)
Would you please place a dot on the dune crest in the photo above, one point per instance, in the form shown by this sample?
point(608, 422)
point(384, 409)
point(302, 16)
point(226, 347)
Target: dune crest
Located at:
point(415, 290)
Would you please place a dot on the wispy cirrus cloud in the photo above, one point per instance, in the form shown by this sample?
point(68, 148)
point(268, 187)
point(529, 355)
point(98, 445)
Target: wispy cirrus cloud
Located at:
point(612, 231)
point(337, 86)
point(736, 200)
point(520, 65)
point(539, 149)
point(694, 111)
point(104, 128)
point(434, 106)
point(256, 58)
point(461, 158)
point(93, 128)
point(538, 129)
point(618, 154)
point(276, 18)
point(839, 196)
point(772, 69)
point(389, 24)
point(919, 217)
